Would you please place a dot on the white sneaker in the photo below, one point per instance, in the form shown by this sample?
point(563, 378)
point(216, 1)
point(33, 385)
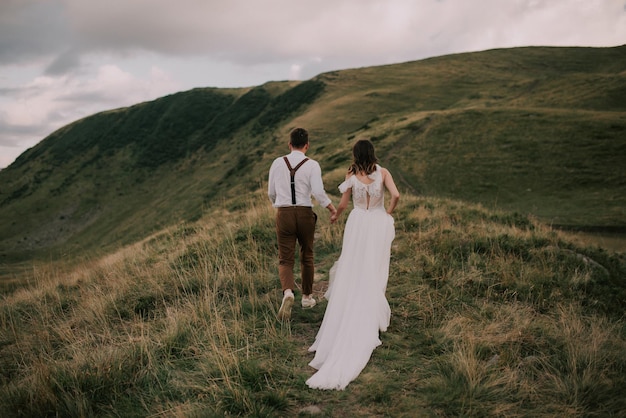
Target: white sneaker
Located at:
point(308, 302)
point(285, 307)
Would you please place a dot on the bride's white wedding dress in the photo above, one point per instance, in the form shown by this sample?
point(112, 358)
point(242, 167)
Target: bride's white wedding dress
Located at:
point(357, 307)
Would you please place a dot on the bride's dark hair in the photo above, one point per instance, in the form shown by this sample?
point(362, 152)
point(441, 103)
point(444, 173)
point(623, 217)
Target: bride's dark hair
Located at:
point(364, 157)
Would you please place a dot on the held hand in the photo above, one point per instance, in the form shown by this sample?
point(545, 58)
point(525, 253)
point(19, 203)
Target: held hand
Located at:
point(333, 218)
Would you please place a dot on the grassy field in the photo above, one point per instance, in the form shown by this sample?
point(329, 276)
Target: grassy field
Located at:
point(493, 314)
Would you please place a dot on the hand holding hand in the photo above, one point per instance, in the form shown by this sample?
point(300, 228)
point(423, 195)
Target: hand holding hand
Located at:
point(334, 214)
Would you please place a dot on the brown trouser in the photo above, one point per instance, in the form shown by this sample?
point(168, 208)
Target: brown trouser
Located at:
point(295, 223)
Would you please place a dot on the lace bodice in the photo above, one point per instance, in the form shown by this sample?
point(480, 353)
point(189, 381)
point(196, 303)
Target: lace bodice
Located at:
point(361, 191)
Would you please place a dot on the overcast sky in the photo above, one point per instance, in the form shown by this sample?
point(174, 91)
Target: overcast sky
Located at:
point(61, 60)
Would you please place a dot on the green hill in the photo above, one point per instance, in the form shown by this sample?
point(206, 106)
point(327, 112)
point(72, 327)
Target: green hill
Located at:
point(532, 130)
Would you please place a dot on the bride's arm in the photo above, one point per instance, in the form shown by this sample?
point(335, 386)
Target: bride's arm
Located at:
point(343, 204)
point(393, 190)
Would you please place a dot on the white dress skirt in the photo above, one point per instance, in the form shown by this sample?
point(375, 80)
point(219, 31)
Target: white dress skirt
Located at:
point(357, 308)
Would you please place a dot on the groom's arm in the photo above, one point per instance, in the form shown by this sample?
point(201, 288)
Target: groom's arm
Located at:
point(317, 188)
point(271, 186)
point(318, 192)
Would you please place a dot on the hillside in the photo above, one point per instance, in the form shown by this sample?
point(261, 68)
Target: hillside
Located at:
point(533, 130)
point(493, 314)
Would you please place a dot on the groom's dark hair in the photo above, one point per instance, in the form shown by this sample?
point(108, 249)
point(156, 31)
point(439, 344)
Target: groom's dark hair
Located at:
point(299, 138)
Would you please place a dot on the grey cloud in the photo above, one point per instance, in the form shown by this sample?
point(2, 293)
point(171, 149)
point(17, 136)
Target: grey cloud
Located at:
point(22, 92)
point(12, 134)
point(344, 32)
point(19, 129)
point(278, 30)
point(9, 91)
point(30, 29)
point(86, 97)
point(81, 97)
point(63, 63)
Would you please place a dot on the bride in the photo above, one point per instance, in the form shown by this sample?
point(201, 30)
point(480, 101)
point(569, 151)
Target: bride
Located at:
point(357, 307)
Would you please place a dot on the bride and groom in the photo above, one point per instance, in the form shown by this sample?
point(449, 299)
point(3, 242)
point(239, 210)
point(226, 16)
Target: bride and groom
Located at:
point(357, 308)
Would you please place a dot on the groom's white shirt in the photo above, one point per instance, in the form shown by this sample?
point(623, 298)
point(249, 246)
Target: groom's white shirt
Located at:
point(308, 181)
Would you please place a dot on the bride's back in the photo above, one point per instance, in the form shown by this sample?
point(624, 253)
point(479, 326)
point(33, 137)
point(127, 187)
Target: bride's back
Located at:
point(368, 190)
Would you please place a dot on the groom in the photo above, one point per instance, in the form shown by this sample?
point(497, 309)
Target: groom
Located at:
point(292, 180)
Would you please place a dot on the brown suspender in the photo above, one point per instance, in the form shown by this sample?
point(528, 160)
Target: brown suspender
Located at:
point(292, 172)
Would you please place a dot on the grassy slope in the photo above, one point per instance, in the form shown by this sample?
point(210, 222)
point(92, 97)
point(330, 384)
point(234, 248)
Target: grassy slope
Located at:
point(537, 130)
point(525, 163)
point(492, 315)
